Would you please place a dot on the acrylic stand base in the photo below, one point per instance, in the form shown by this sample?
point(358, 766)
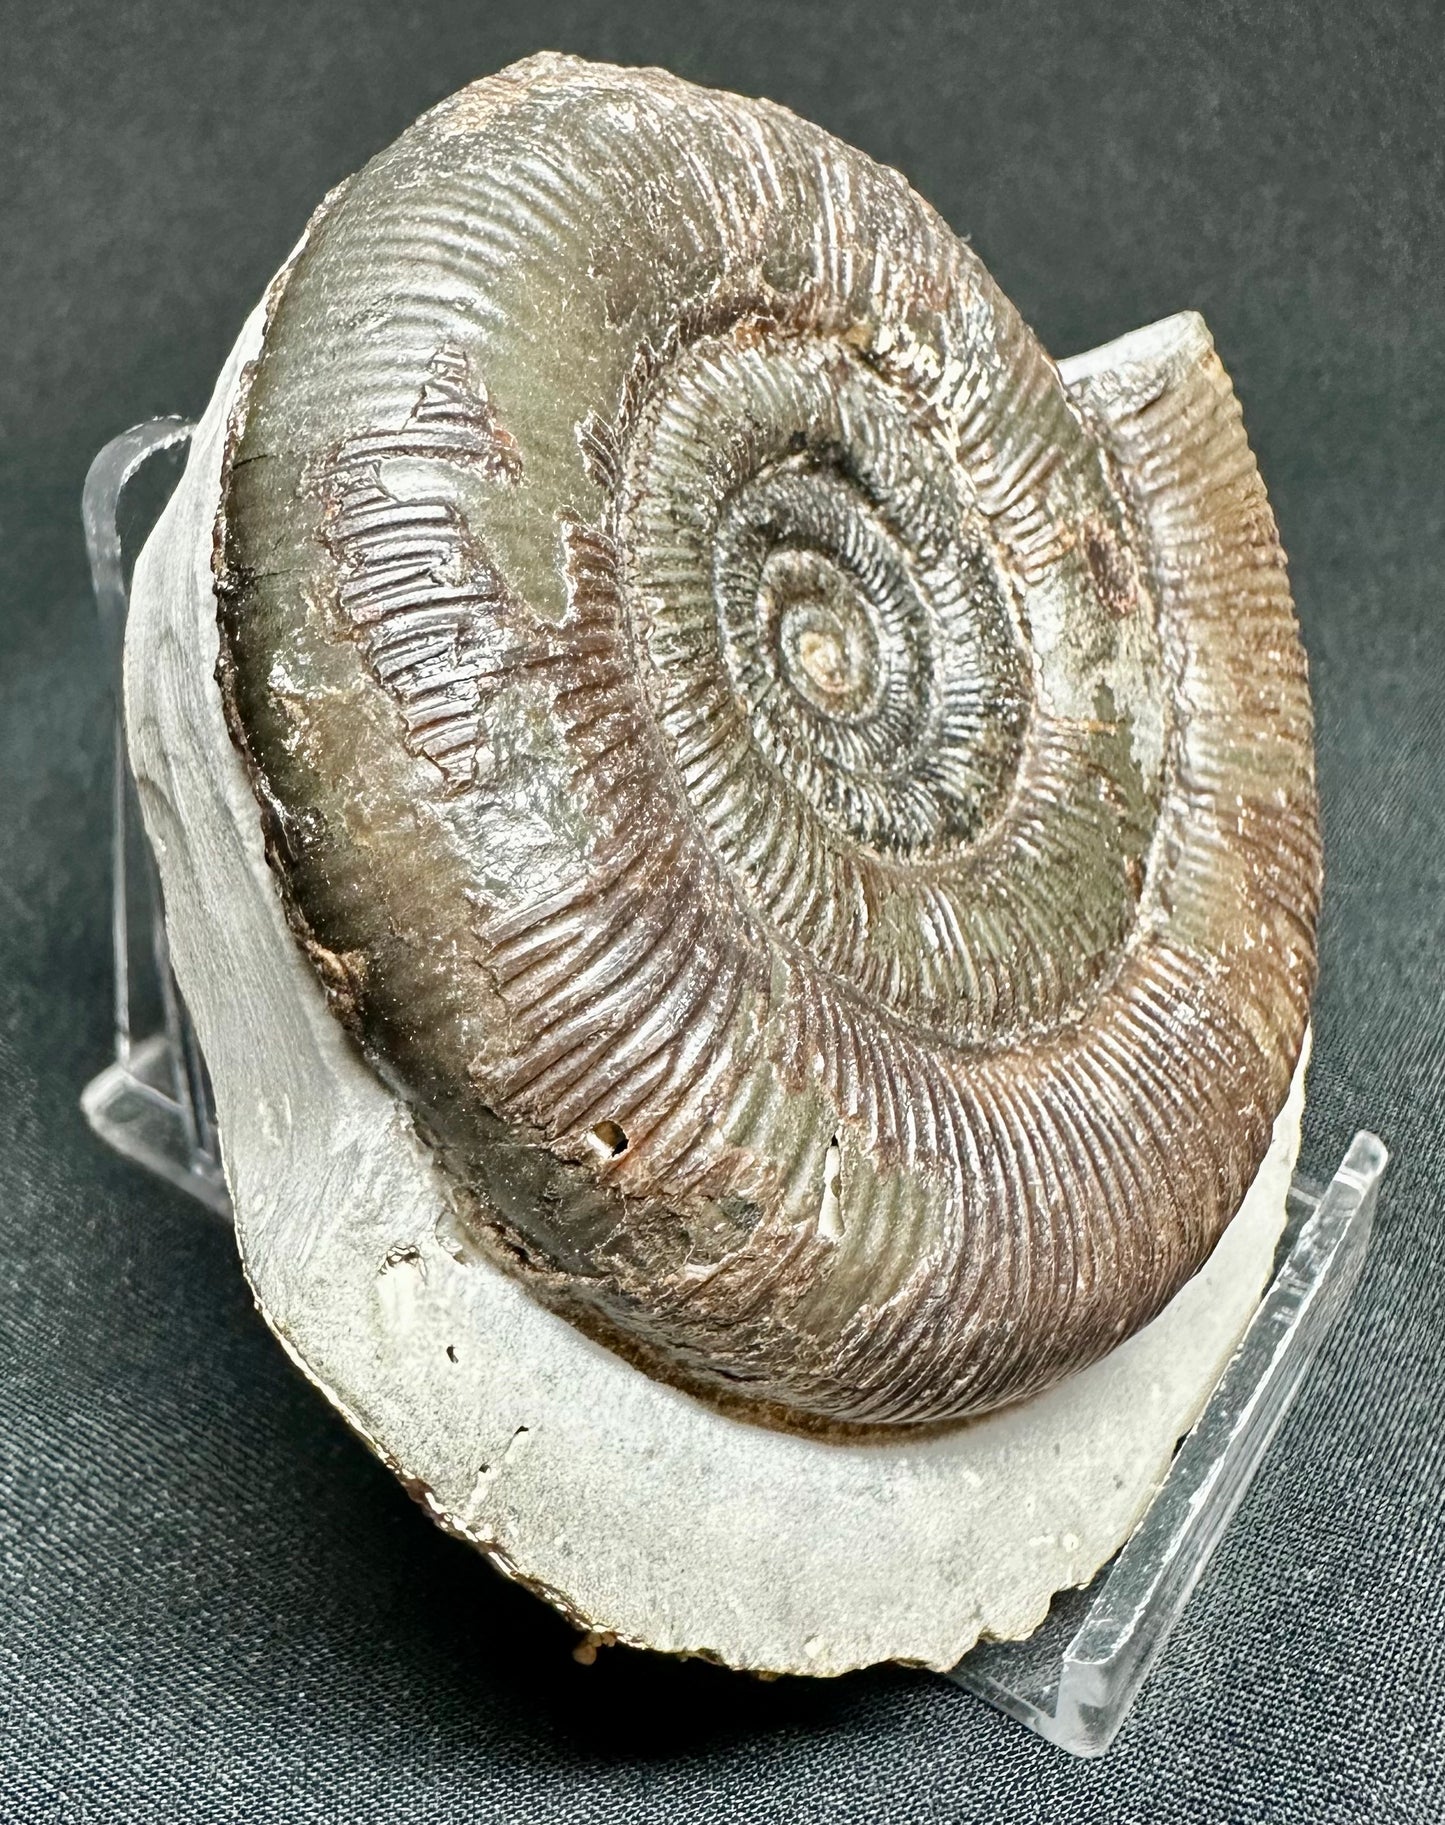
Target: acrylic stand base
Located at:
point(1075, 1679)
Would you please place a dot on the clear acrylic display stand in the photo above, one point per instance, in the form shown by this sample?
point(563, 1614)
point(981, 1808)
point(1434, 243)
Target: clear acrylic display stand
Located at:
point(153, 1104)
point(1075, 1679)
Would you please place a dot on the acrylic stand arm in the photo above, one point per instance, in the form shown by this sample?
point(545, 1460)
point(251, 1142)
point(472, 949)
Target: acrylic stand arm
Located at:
point(1075, 1679)
point(152, 1104)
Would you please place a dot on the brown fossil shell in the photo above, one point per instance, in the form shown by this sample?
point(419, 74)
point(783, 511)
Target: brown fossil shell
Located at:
point(814, 813)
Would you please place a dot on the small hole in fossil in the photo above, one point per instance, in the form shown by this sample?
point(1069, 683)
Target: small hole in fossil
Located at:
point(609, 1139)
point(451, 1352)
point(830, 1211)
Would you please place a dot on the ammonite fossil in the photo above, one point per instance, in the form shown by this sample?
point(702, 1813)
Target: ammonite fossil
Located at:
point(814, 812)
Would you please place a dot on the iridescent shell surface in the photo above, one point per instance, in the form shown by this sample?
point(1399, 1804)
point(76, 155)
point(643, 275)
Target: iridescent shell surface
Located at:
point(814, 813)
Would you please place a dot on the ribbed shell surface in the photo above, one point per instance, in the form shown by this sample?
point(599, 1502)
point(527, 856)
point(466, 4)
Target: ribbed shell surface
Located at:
point(815, 815)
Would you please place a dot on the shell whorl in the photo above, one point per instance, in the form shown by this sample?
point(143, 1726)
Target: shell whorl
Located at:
point(813, 807)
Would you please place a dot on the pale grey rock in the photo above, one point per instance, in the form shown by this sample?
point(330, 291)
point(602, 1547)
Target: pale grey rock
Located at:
point(633, 1507)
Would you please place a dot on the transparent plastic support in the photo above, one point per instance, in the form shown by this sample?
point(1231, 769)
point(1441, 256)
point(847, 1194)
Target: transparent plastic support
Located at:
point(1075, 1679)
point(153, 1102)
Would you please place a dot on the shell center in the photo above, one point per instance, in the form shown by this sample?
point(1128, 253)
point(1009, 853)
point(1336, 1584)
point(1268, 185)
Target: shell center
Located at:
point(827, 645)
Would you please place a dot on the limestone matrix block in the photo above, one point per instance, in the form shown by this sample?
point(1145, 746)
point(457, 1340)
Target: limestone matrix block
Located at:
point(633, 1507)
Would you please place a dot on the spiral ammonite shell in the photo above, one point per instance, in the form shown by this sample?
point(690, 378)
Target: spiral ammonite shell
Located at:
point(814, 813)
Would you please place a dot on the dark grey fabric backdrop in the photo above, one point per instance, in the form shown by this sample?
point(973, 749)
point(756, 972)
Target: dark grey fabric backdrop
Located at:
point(215, 1606)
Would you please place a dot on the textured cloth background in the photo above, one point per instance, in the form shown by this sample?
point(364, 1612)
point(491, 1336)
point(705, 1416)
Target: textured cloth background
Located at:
point(213, 1604)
